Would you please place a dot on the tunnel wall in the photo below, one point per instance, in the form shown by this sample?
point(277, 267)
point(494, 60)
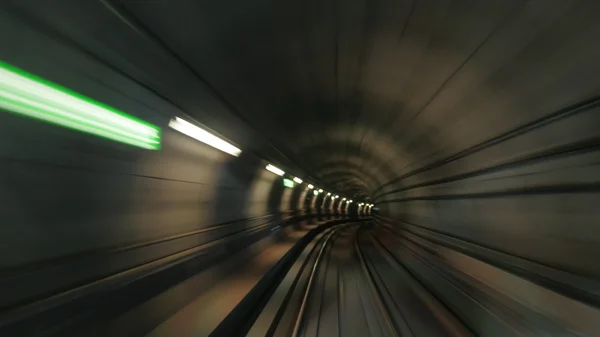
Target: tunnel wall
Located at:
point(531, 193)
point(93, 218)
point(514, 216)
point(77, 208)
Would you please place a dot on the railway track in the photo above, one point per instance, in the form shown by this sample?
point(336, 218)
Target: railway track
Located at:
point(347, 284)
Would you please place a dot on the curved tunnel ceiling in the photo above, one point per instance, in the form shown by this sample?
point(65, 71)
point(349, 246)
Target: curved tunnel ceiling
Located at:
point(359, 93)
point(396, 83)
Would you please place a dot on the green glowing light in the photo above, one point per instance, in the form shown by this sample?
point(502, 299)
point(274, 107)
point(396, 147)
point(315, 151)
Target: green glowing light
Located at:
point(288, 183)
point(25, 94)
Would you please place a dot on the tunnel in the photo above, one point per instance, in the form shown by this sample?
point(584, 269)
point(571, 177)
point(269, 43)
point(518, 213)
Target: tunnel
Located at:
point(299, 168)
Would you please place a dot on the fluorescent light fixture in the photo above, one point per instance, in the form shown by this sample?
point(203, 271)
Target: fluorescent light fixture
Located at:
point(298, 180)
point(310, 187)
point(320, 190)
point(288, 183)
point(275, 170)
point(28, 95)
point(315, 192)
point(204, 136)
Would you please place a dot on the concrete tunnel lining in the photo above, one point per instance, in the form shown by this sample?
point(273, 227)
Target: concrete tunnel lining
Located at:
point(473, 127)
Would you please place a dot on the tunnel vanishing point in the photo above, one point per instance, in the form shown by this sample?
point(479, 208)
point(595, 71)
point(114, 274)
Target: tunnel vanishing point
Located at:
point(333, 168)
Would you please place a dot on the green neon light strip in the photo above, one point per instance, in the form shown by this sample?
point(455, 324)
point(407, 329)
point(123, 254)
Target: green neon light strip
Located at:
point(31, 96)
point(288, 183)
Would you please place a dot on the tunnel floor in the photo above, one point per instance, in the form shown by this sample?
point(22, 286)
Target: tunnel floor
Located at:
point(346, 281)
point(353, 285)
point(354, 278)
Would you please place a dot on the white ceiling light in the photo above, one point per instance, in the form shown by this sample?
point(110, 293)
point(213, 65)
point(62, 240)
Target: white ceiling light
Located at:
point(328, 193)
point(310, 186)
point(275, 170)
point(298, 180)
point(343, 198)
point(315, 192)
point(204, 136)
point(320, 190)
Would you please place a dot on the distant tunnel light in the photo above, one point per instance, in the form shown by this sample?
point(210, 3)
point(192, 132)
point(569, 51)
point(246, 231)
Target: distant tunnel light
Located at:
point(310, 187)
point(31, 96)
point(315, 192)
point(204, 136)
point(275, 170)
point(288, 183)
point(298, 180)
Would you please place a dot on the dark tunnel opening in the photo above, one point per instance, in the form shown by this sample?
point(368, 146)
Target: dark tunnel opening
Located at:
point(299, 168)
